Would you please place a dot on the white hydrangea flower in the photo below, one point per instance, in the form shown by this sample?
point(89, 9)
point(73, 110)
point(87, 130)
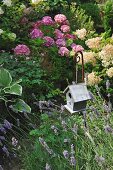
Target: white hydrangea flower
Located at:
point(89, 57)
point(106, 55)
point(1, 11)
point(7, 2)
point(1, 31)
point(93, 42)
point(93, 79)
point(109, 72)
point(81, 34)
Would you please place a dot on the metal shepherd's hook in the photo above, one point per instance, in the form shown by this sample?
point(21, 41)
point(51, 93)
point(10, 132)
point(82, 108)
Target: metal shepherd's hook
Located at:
point(78, 56)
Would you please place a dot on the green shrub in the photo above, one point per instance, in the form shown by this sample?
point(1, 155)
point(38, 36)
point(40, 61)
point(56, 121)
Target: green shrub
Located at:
point(94, 14)
point(108, 18)
point(78, 18)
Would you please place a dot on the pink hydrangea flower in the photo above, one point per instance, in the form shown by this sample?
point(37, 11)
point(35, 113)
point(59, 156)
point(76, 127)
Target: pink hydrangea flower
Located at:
point(65, 28)
point(66, 22)
point(47, 20)
point(48, 41)
point(60, 42)
point(21, 49)
point(70, 36)
point(77, 48)
point(36, 33)
point(37, 24)
point(58, 34)
point(63, 51)
point(59, 18)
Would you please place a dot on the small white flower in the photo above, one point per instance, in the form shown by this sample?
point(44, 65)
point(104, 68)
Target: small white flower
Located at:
point(14, 141)
point(48, 166)
point(7, 2)
point(1, 11)
point(1, 31)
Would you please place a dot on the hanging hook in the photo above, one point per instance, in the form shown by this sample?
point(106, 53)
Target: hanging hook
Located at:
point(77, 59)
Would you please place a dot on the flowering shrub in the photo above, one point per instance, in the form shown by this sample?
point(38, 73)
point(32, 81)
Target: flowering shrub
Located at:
point(57, 34)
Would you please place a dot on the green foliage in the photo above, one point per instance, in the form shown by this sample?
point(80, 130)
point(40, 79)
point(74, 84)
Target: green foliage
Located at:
point(6, 84)
point(78, 18)
point(95, 13)
point(92, 145)
point(7, 87)
point(17, 19)
point(21, 106)
point(108, 15)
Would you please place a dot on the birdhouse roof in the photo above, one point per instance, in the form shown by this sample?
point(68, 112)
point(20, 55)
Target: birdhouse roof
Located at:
point(79, 92)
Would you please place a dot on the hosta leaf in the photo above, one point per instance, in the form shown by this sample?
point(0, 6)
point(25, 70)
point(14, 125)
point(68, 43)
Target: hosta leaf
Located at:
point(5, 78)
point(14, 89)
point(21, 106)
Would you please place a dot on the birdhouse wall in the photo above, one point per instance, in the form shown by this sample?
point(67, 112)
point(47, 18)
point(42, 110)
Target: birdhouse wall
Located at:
point(80, 106)
point(70, 101)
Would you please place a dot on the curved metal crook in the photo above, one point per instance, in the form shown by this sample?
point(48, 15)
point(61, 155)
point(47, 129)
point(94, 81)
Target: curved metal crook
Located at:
point(75, 65)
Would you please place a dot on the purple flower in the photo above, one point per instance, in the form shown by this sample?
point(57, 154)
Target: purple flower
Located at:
point(60, 42)
point(21, 49)
point(36, 33)
point(47, 20)
point(7, 124)
point(60, 18)
point(66, 22)
point(70, 36)
point(72, 161)
point(58, 34)
point(2, 129)
point(66, 154)
point(65, 28)
point(77, 48)
point(63, 51)
point(37, 24)
point(108, 129)
point(5, 150)
point(2, 138)
point(48, 41)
